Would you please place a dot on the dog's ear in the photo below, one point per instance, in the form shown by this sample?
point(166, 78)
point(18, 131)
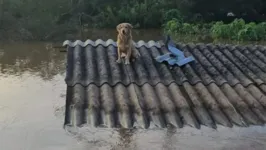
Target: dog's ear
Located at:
point(118, 27)
point(130, 26)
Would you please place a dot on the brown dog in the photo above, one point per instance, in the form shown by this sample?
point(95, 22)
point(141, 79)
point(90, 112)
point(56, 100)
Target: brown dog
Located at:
point(125, 43)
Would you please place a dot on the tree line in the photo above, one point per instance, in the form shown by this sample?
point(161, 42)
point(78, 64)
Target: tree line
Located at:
point(40, 18)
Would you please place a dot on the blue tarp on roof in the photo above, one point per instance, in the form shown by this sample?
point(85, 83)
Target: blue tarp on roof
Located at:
point(175, 56)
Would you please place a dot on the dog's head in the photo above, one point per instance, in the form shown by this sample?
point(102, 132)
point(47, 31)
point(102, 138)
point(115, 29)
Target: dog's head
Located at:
point(124, 28)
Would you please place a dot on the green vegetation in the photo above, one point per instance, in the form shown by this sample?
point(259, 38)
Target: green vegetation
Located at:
point(42, 20)
point(236, 30)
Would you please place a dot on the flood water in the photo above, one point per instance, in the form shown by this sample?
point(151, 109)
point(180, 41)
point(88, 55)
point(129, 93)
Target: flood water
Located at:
point(32, 102)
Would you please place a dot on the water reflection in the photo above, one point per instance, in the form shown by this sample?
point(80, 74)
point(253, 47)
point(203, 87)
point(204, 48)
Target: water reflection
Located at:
point(35, 58)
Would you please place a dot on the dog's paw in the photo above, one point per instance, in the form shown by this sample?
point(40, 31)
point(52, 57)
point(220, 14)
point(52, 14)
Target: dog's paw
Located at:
point(127, 62)
point(118, 60)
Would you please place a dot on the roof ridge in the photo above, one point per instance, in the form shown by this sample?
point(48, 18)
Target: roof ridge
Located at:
point(95, 43)
point(151, 43)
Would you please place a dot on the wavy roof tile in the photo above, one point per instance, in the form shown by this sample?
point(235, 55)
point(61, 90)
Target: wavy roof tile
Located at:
point(224, 85)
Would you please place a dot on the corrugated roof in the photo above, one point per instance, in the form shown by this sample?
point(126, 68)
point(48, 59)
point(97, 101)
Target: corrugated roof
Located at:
point(224, 85)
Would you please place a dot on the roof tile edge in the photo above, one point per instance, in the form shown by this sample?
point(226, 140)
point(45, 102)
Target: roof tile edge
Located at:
point(109, 42)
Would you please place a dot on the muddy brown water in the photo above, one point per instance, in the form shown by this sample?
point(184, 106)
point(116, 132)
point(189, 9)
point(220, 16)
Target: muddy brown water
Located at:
point(32, 90)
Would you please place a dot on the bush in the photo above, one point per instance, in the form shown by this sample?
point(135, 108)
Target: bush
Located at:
point(237, 30)
point(175, 26)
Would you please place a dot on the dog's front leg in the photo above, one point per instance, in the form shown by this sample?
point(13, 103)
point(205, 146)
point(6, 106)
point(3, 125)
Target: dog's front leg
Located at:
point(119, 55)
point(129, 52)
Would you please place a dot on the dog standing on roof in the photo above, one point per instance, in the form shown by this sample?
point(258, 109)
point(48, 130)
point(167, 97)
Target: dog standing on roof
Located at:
point(125, 46)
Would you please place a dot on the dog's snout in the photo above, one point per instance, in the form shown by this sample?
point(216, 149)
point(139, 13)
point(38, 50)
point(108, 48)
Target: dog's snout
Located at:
point(123, 31)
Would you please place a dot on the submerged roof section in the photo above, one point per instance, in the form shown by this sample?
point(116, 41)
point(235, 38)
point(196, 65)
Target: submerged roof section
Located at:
point(224, 85)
